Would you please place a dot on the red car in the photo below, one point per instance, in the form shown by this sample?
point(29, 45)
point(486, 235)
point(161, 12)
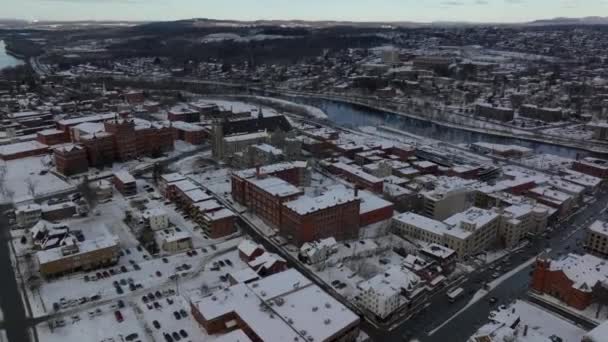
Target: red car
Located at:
point(118, 316)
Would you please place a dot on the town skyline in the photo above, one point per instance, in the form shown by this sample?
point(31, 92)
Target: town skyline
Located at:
point(474, 11)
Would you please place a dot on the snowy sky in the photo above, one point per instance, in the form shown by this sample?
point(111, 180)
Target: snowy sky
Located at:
point(355, 10)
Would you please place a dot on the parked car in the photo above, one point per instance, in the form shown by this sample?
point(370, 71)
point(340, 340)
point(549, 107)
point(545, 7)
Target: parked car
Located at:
point(118, 316)
point(156, 324)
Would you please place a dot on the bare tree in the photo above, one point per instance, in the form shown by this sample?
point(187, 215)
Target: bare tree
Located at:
point(31, 187)
point(3, 172)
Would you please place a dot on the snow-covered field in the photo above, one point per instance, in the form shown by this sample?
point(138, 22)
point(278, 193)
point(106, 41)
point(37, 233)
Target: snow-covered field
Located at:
point(34, 170)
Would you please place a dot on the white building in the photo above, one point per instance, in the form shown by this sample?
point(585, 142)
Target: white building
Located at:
point(450, 195)
point(390, 290)
point(317, 251)
point(596, 241)
point(419, 227)
point(27, 215)
point(157, 218)
point(472, 231)
point(173, 240)
point(467, 232)
point(519, 220)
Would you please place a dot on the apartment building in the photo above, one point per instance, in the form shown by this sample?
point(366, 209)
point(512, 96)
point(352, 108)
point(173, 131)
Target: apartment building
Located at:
point(596, 241)
point(73, 256)
point(332, 214)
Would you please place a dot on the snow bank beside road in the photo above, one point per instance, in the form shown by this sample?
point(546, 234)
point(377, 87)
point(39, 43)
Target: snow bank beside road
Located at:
point(290, 106)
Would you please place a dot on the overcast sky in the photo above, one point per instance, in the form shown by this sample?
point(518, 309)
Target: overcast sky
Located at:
point(356, 10)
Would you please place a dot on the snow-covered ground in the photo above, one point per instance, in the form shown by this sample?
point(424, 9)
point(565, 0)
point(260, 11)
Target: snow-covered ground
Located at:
point(310, 110)
point(34, 170)
point(548, 162)
point(99, 326)
point(576, 132)
point(541, 325)
point(152, 274)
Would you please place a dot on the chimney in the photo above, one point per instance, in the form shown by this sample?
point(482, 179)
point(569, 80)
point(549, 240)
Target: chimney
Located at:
point(356, 191)
point(257, 171)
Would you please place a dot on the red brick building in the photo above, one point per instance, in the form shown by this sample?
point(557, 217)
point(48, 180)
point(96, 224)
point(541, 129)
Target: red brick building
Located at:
point(373, 209)
point(267, 264)
point(404, 152)
point(122, 139)
point(188, 132)
point(295, 173)
point(123, 132)
point(70, 160)
point(184, 114)
point(572, 279)
point(100, 148)
point(219, 223)
point(592, 166)
point(358, 177)
point(249, 250)
point(134, 96)
point(333, 214)
point(265, 196)
point(125, 183)
point(52, 137)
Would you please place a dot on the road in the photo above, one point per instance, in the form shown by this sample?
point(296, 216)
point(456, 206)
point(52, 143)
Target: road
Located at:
point(460, 328)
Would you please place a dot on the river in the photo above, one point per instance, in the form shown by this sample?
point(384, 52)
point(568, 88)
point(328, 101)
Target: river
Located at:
point(349, 115)
point(7, 60)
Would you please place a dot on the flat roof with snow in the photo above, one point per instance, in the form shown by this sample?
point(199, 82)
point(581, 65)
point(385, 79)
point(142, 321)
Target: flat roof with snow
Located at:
point(306, 205)
point(21, 147)
point(275, 186)
point(124, 177)
point(87, 246)
point(422, 222)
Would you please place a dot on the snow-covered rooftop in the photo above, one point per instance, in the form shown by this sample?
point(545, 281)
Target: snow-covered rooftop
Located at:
point(275, 186)
point(306, 205)
point(87, 246)
point(282, 307)
point(584, 270)
point(391, 281)
point(599, 227)
point(124, 176)
point(422, 222)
